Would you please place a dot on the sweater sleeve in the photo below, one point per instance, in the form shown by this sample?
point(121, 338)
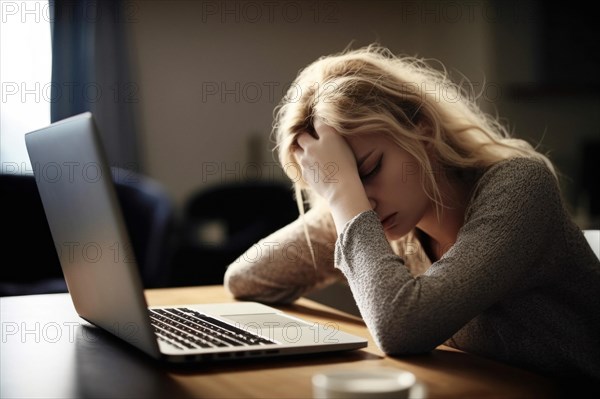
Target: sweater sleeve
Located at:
point(280, 269)
point(506, 226)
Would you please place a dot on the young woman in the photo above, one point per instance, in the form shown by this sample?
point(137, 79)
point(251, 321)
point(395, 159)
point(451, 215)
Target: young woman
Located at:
point(445, 228)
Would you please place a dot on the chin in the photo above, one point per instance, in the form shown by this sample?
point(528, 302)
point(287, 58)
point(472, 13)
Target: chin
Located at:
point(392, 237)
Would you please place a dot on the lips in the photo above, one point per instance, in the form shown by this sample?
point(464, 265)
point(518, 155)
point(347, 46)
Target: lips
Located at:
point(389, 221)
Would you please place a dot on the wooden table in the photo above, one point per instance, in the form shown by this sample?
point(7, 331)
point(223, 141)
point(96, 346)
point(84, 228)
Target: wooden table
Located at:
point(48, 351)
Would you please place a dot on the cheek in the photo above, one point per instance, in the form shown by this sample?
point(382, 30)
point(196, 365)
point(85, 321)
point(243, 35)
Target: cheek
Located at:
point(408, 189)
point(408, 199)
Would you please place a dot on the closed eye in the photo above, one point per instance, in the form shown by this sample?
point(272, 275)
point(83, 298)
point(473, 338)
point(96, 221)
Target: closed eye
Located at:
point(374, 170)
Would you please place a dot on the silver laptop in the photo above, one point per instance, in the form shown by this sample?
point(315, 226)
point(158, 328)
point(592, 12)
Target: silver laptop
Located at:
point(86, 222)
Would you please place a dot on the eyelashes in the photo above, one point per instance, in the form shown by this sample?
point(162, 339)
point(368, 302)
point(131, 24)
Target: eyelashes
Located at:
point(373, 171)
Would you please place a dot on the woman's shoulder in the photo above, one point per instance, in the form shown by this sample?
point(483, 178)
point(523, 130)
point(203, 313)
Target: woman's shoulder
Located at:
point(518, 168)
point(521, 173)
point(516, 181)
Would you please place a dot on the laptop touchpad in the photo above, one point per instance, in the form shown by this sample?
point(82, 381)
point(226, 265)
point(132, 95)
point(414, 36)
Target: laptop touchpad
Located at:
point(264, 321)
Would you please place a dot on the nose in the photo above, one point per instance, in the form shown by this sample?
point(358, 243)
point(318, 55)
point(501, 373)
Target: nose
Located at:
point(373, 203)
point(371, 196)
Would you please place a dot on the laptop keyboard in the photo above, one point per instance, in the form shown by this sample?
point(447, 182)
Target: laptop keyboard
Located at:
point(188, 329)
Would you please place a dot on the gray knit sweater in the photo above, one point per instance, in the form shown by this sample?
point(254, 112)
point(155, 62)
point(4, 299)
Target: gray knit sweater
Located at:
point(520, 285)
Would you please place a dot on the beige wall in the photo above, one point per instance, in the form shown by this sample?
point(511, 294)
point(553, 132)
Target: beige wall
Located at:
point(192, 137)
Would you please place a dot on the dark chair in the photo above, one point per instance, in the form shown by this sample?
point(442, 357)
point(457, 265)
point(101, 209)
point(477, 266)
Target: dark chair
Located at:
point(31, 264)
point(221, 222)
point(150, 219)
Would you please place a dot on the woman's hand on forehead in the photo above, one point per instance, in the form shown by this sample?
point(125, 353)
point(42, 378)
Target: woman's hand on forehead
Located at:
point(327, 161)
point(329, 168)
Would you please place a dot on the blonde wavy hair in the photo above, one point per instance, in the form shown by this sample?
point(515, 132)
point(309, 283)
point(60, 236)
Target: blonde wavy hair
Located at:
point(370, 90)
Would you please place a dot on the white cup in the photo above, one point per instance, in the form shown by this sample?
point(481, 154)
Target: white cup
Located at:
point(377, 383)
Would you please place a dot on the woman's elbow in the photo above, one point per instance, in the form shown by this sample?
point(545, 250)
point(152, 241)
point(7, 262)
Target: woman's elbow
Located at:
point(245, 287)
point(235, 284)
point(399, 344)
